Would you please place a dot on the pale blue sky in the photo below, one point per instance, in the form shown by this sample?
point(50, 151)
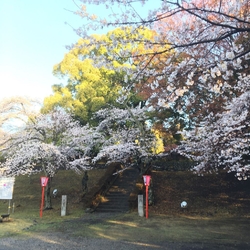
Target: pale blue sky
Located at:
point(33, 36)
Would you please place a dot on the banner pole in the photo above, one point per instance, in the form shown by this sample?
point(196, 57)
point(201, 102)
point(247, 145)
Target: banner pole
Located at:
point(146, 201)
point(41, 208)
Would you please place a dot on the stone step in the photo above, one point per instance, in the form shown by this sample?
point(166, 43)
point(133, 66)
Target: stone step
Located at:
point(118, 190)
point(113, 206)
point(110, 210)
point(117, 194)
point(116, 199)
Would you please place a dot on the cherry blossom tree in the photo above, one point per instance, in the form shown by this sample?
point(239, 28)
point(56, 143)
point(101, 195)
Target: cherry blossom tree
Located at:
point(14, 113)
point(54, 141)
point(223, 141)
point(204, 35)
point(49, 142)
point(127, 135)
point(206, 78)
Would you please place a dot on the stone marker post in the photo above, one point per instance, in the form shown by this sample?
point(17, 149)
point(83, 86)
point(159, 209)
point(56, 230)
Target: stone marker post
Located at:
point(140, 205)
point(64, 205)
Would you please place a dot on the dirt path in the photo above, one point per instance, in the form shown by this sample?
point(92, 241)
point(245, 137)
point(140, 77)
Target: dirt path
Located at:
point(59, 241)
point(131, 232)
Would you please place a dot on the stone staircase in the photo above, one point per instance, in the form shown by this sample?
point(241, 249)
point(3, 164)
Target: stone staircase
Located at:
point(117, 197)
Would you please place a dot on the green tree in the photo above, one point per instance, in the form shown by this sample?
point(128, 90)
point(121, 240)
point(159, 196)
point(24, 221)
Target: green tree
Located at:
point(91, 83)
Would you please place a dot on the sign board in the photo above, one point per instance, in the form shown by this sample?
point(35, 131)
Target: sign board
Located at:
point(6, 187)
point(44, 181)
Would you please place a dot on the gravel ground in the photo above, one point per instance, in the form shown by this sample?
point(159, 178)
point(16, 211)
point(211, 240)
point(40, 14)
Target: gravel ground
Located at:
point(58, 241)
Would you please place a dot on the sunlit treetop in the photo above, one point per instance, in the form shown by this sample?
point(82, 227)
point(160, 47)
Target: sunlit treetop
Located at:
point(98, 68)
point(210, 35)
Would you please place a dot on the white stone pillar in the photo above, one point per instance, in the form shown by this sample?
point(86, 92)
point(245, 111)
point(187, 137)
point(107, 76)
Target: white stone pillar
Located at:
point(64, 205)
point(140, 205)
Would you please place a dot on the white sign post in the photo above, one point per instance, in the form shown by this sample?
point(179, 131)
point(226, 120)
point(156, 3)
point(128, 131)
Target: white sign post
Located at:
point(140, 205)
point(64, 205)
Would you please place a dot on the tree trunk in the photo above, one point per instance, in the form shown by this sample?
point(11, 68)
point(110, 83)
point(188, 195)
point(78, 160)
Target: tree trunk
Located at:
point(48, 203)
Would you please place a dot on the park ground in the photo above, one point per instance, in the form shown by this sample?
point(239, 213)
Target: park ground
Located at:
point(217, 215)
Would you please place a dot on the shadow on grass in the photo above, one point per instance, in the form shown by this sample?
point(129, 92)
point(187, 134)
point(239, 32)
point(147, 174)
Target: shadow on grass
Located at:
point(157, 230)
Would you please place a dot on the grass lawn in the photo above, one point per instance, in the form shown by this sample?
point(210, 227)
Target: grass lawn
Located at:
point(25, 206)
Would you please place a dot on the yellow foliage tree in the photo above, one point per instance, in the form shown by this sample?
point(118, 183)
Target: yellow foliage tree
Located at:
point(95, 70)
